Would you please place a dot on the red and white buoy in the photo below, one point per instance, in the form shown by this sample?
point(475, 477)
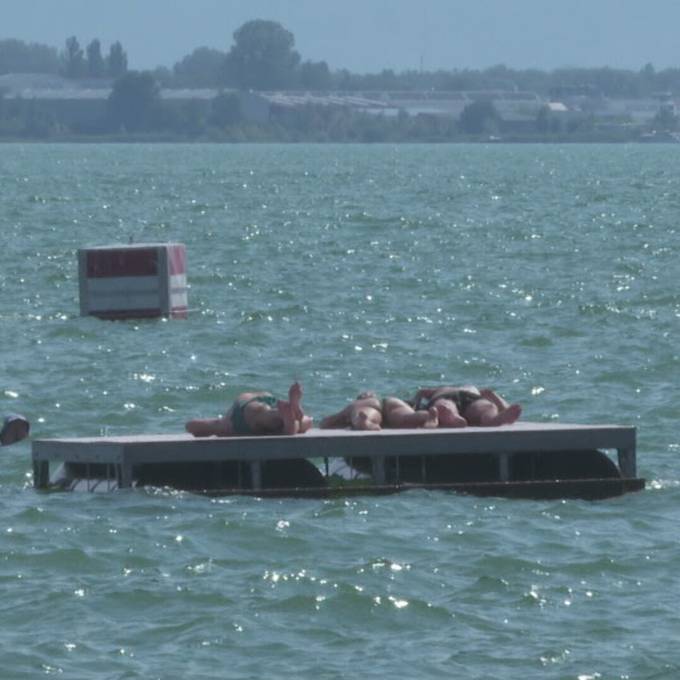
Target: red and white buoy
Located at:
point(140, 280)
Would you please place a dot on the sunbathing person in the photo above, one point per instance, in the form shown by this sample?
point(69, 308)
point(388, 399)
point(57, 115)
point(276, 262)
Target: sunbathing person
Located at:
point(14, 429)
point(467, 405)
point(369, 412)
point(256, 413)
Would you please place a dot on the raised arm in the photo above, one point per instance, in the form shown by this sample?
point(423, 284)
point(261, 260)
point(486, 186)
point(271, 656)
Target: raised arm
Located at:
point(337, 420)
point(494, 398)
point(423, 393)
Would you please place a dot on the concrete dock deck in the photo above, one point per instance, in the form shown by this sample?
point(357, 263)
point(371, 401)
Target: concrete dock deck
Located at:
point(123, 454)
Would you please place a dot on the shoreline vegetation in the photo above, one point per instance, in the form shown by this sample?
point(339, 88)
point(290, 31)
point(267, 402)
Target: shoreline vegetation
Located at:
point(150, 138)
point(261, 90)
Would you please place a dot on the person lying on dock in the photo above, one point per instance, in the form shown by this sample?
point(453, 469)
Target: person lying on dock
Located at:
point(255, 413)
point(369, 412)
point(14, 429)
point(467, 405)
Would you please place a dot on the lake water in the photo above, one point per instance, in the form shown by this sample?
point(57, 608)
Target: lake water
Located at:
point(548, 272)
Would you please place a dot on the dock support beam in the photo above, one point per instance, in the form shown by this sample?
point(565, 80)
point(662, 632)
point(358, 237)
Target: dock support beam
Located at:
point(256, 475)
point(379, 470)
point(124, 475)
point(41, 474)
point(627, 463)
point(504, 467)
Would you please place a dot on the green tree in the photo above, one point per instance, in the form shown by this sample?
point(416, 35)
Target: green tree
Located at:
point(164, 76)
point(116, 62)
point(96, 68)
point(479, 117)
point(262, 57)
point(19, 57)
point(73, 59)
point(134, 102)
point(204, 67)
point(315, 75)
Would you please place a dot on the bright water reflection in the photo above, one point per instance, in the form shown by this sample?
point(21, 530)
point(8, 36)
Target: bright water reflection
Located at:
point(546, 271)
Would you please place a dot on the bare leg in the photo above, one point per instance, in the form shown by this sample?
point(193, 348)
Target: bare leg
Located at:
point(305, 423)
point(485, 413)
point(448, 415)
point(295, 399)
point(209, 427)
point(398, 414)
point(290, 423)
point(335, 421)
point(494, 398)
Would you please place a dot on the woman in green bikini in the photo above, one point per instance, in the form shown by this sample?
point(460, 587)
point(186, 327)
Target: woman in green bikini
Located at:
point(254, 413)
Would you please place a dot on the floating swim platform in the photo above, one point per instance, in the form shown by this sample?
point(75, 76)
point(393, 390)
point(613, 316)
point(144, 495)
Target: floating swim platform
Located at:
point(533, 460)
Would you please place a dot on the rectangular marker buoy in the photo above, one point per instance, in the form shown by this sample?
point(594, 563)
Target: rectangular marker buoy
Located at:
point(141, 280)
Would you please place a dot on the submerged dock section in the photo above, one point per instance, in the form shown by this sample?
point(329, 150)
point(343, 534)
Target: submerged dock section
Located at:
point(522, 460)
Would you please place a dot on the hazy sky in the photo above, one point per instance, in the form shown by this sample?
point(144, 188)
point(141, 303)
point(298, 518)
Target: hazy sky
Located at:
point(369, 35)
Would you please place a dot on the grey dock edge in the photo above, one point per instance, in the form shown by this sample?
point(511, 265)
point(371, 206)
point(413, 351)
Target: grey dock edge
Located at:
point(125, 452)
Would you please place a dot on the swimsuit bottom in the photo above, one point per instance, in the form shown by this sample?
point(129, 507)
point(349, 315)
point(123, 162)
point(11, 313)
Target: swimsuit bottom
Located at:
point(238, 421)
point(461, 398)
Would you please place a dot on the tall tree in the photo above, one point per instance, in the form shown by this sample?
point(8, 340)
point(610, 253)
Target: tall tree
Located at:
point(262, 57)
point(479, 117)
point(74, 60)
point(96, 68)
point(134, 102)
point(116, 62)
point(315, 75)
point(20, 57)
point(204, 67)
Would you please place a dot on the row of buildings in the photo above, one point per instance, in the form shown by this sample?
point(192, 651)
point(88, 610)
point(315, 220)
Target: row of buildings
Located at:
point(79, 104)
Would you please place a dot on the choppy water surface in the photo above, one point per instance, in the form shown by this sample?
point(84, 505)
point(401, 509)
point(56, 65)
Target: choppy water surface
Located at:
point(548, 272)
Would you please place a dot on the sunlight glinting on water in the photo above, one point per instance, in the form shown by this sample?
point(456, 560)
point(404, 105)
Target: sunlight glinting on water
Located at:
point(547, 272)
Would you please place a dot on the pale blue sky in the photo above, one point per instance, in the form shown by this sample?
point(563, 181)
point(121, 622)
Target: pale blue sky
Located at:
point(369, 35)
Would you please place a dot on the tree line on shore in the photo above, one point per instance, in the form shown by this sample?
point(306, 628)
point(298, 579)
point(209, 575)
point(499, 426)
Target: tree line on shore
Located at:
point(73, 61)
point(263, 58)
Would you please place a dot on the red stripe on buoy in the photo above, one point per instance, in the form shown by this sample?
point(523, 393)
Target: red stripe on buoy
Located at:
point(177, 260)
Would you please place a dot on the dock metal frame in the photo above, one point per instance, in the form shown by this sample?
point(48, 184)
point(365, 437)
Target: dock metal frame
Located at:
point(122, 454)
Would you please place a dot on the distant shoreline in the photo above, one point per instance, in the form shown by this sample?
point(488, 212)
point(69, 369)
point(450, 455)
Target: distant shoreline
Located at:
point(154, 139)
